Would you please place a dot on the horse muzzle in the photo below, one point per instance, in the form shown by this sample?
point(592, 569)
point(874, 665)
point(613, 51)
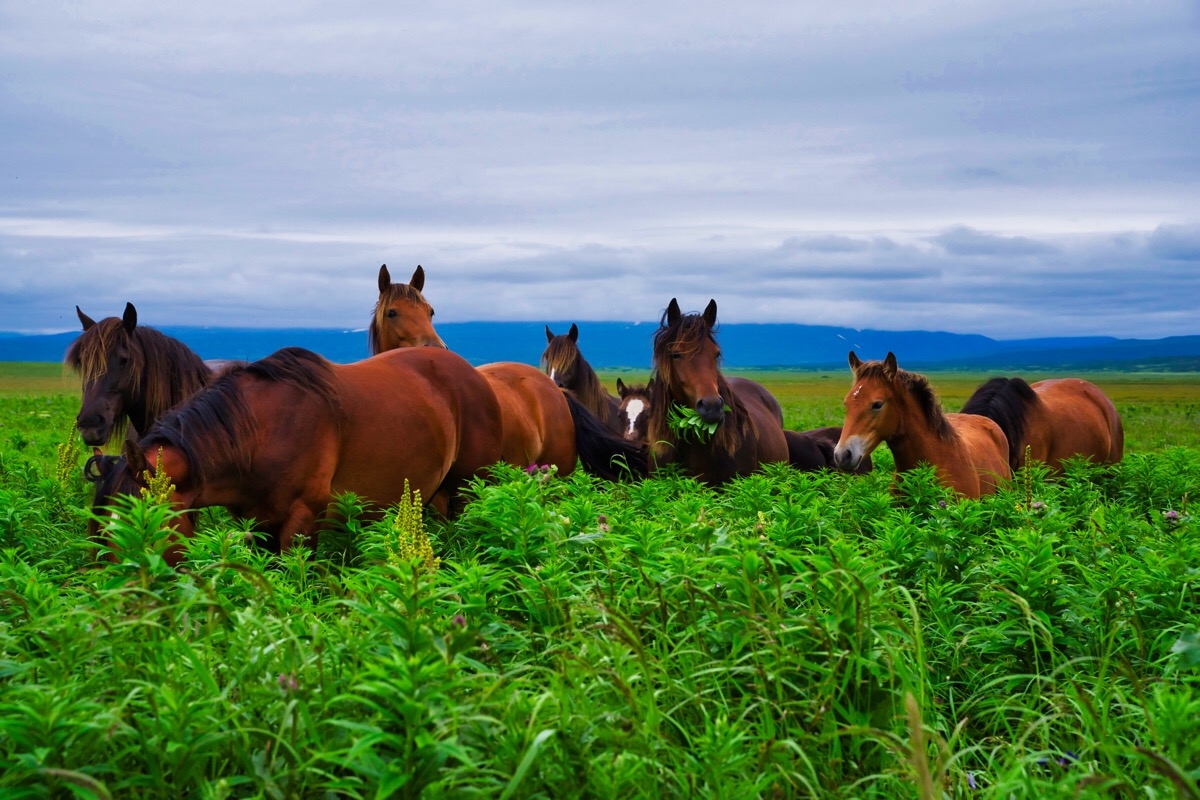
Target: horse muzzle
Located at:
point(711, 409)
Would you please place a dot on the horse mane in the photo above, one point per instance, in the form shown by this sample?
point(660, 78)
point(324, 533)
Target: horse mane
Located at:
point(588, 388)
point(216, 425)
point(393, 293)
point(163, 371)
point(687, 333)
point(1005, 401)
point(918, 387)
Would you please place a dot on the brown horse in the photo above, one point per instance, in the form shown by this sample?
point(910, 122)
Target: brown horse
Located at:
point(131, 375)
point(807, 450)
point(686, 373)
point(277, 439)
point(1055, 419)
point(566, 366)
point(540, 423)
point(888, 404)
point(402, 316)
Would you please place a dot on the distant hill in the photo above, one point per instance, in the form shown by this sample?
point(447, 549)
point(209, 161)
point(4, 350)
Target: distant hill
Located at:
point(627, 344)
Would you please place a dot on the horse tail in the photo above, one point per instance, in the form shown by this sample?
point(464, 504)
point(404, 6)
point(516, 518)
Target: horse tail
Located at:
point(604, 453)
point(1005, 401)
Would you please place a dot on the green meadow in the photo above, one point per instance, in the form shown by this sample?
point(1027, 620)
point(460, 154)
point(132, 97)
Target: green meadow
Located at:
point(793, 635)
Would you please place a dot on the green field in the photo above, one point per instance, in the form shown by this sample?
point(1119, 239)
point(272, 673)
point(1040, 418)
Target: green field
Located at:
point(794, 635)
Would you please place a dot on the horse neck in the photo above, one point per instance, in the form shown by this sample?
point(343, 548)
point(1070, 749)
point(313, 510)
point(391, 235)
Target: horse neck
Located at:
point(591, 391)
point(916, 440)
point(168, 378)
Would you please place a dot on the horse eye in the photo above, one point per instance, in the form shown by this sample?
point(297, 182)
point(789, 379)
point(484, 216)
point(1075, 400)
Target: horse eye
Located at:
point(391, 313)
point(877, 405)
point(431, 313)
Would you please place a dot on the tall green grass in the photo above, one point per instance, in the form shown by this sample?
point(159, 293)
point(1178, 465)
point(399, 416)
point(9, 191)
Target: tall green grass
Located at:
point(794, 635)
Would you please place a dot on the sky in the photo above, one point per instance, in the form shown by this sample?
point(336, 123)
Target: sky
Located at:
point(1014, 168)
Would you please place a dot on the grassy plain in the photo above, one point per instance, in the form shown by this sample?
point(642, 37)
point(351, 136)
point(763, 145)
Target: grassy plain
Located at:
point(794, 635)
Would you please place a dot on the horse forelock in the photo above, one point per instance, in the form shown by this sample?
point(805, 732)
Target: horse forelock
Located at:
point(90, 353)
point(917, 386)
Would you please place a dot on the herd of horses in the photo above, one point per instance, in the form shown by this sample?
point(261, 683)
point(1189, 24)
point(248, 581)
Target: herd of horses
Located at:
point(277, 439)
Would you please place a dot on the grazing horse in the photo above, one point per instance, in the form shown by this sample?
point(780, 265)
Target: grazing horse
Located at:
point(686, 373)
point(276, 440)
point(402, 316)
point(1055, 419)
point(131, 375)
point(566, 366)
point(540, 423)
point(888, 404)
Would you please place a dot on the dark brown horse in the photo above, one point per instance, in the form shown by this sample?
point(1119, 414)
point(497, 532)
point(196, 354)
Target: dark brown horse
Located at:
point(131, 375)
point(686, 374)
point(402, 317)
point(1055, 419)
point(888, 404)
point(566, 366)
point(277, 439)
point(540, 423)
point(814, 449)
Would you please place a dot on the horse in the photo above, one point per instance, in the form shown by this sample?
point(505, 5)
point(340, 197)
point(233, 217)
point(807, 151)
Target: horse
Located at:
point(402, 317)
point(540, 423)
point(566, 366)
point(131, 375)
point(888, 404)
point(1054, 419)
point(277, 439)
point(686, 373)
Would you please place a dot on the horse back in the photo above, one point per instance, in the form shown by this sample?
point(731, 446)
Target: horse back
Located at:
point(766, 421)
point(421, 413)
point(1080, 420)
point(536, 420)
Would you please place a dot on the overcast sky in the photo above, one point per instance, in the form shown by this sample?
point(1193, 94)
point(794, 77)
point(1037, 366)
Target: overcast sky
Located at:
point(1012, 168)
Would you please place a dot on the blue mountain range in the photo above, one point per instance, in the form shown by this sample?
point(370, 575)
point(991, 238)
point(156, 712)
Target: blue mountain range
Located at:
point(628, 344)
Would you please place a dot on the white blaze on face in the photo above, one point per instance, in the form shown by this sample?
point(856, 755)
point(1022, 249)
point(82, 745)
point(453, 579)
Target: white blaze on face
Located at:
point(552, 373)
point(634, 410)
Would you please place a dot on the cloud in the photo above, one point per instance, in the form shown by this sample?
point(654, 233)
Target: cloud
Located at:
point(964, 241)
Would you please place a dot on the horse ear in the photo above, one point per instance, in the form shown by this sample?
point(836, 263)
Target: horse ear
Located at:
point(385, 279)
point(855, 361)
point(710, 313)
point(549, 334)
point(573, 334)
point(129, 318)
point(889, 366)
point(85, 319)
point(135, 457)
point(621, 389)
point(673, 313)
point(418, 279)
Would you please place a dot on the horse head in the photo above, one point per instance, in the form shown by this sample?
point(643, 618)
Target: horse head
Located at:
point(402, 316)
point(110, 362)
point(634, 411)
point(560, 359)
point(687, 359)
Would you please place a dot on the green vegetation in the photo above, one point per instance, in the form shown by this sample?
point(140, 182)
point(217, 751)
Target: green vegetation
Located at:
point(795, 635)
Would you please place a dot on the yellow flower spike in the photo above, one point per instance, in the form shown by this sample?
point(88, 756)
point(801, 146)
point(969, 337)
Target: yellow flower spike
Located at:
point(68, 456)
point(158, 486)
point(411, 542)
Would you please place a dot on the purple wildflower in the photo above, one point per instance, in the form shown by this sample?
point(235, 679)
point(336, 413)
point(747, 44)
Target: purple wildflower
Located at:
point(288, 682)
point(459, 621)
point(1171, 516)
point(941, 503)
point(971, 780)
point(1037, 505)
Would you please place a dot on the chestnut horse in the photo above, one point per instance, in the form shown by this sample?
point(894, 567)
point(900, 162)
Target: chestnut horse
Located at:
point(686, 372)
point(633, 410)
point(888, 404)
point(277, 439)
point(402, 316)
point(1055, 419)
point(131, 375)
point(566, 366)
point(540, 423)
